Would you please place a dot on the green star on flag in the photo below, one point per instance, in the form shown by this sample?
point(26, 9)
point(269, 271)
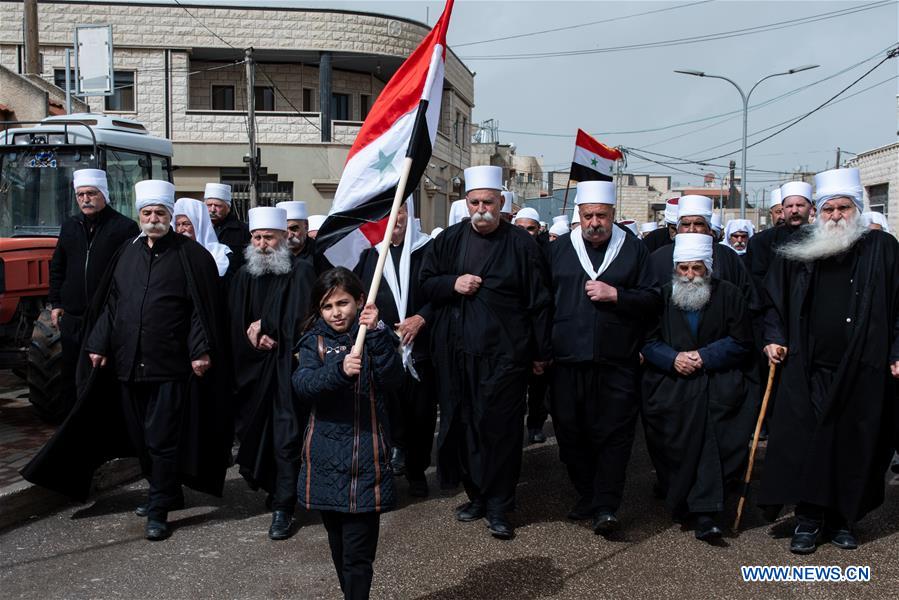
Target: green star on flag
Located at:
point(593, 161)
point(384, 162)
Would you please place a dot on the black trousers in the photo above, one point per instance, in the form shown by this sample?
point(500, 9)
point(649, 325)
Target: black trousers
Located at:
point(152, 414)
point(70, 341)
point(537, 410)
point(353, 538)
point(288, 424)
point(594, 409)
point(413, 416)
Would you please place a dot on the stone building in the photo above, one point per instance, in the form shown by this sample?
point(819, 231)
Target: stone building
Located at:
point(879, 170)
point(522, 174)
point(179, 70)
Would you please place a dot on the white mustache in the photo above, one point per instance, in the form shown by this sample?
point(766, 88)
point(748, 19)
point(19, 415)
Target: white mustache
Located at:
point(482, 218)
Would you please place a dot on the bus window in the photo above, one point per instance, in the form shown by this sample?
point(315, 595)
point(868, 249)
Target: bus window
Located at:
point(123, 170)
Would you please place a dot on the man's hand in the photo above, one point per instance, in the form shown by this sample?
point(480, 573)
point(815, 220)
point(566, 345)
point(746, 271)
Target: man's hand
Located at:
point(775, 353)
point(685, 363)
point(539, 366)
point(408, 328)
point(467, 285)
point(352, 365)
point(97, 360)
point(369, 317)
point(201, 365)
point(599, 291)
point(253, 333)
point(55, 314)
point(894, 369)
point(266, 343)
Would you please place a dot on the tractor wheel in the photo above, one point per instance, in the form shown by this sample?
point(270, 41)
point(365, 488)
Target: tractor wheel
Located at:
point(45, 371)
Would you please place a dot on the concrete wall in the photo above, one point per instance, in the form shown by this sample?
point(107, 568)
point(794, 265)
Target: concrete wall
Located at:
point(880, 166)
point(28, 101)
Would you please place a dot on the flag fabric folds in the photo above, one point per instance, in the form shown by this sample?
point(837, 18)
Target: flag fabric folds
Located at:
point(402, 123)
point(593, 160)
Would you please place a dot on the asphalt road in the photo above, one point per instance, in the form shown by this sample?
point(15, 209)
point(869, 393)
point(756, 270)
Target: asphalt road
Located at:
point(219, 549)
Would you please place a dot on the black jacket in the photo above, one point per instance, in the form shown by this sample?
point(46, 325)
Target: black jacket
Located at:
point(81, 257)
point(658, 238)
point(235, 234)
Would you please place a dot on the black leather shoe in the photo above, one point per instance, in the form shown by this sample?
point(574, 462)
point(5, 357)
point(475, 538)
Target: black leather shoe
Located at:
point(605, 523)
point(536, 436)
point(156, 530)
point(144, 509)
point(805, 539)
point(582, 510)
point(281, 523)
point(472, 511)
point(843, 539)
point(706, 529)
point(418, 488)
point(500, 528)
point(398, 460)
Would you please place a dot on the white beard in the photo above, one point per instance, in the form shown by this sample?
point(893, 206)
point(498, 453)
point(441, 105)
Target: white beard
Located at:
point(687, 294)
point(825, 239)
point(277, 261)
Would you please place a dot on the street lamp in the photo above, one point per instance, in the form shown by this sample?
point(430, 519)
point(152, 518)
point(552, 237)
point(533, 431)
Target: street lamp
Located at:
point(745, 98)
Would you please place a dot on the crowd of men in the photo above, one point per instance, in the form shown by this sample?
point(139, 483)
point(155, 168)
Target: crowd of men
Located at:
point(191, 322)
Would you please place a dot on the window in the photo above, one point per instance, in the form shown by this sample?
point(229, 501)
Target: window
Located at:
point(223, 97)
point(159, 167)
point(364, 106)
point(265, 97)
point(457, 128)
point(122, 100)
point(464, 131)
point(123, 169)
point(878, 196)
point(59, 78)
point(307, 100)
point(340, 107)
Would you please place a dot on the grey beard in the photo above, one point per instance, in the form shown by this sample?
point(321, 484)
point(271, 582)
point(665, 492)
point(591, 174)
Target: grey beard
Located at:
point(478, 217)
point(825, 239)
point(690, 295)
point(277, 261)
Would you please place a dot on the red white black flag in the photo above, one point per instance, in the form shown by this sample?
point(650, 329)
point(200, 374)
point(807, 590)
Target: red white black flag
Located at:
point(593, 160)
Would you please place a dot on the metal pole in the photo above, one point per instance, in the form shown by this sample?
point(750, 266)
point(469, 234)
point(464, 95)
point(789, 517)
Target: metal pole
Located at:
point(68, 81)
point(744, 186)
point(251, 123)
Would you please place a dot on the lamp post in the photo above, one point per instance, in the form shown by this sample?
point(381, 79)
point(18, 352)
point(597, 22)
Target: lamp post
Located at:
point(745, 98)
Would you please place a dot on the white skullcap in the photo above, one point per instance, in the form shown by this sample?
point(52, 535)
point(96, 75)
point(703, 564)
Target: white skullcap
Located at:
point(716, 222)
point(735, 225)
point(647, 227)
point(839, 183)
point(219, 191)
point(630, 224)
point(315, 222)
point(878, 218)
point(559, 228)
point(563, 219)
point(483, 177)
point(458, 211)
point(595, 192)
point(154, 192)
point(775, 199)
point(268, 217)
point(795, 188)
point(693, 246)
point(671, 211)
point(527, 213)
point(93, 178)
point(296, 209)
point(436, 231)
point(508, 199)
point(695, 206)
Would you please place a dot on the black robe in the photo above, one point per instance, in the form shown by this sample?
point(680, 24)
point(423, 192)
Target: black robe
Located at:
point(235, 234)
point(263, 391)
point(658, 238)
point(760, 253)
point(701, 422)
point(834, 456)
point(95, 431)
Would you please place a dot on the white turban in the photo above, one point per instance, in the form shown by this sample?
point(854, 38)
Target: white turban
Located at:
point(735, 225)
point(296, 209)
point(483, 177)
point(671, 211)
point(154, 192)
point(458, 211)
point(595, 192)
point(716, 222)
point(775, 199)
point(630, 224)
point(267, 217)
point(795, 188)
point(316, 221)
point(93, 178)
point(878, 218)
point(527, 213)
point(839, 183)
point(649, 226)
point(693, 246)
point(508, 199)
point(204, 233)
point(219, 191)
point(559, 228)
point(695, 206)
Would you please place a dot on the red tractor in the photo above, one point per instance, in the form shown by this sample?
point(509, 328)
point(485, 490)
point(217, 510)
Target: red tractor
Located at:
point(36, 195)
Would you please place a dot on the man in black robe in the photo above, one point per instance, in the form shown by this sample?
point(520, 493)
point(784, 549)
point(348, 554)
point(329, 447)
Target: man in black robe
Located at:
point(491, 326)
point(833, 325)
point(401, 304)
point(269, 299)
point(86, 245)
point(737, 234)
point(604, 296)
point(664, 236)
point(298, 241)
point(229, 229)
point(700, 387)
point(154, 328)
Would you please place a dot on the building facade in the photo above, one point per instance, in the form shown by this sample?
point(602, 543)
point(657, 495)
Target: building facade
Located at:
point(180, 70)
point(879, 171)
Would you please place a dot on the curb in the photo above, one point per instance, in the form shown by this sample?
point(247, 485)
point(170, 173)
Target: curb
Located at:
point(23, 500)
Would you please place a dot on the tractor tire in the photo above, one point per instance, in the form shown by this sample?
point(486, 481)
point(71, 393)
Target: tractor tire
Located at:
point(45, 366)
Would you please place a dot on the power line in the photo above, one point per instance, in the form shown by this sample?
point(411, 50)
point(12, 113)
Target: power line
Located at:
point(203, 25)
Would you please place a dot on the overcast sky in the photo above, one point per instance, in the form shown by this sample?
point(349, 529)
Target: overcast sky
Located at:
point(610, 93)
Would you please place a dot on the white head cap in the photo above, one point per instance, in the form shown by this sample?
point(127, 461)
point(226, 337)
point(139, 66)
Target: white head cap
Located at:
point(154, 192)
point(436, 231)
point(296, 209)
point(671, 211)
point(716, 222)
point(458, 211)
point(695, 206)
point(483, 177)
point(630, 224)
point(795, 188)
point(735, 225)
point(649, 226)
point(559, 228)
point(838, 183)
point(878, 218)
point(775, 198)
point(508, 199)
point(527, 213)
point(219, 191)
point(315, 222)
point(562, 219)
point(268, 217)
point(595, 192)
point(693, 246)
point(91, 177)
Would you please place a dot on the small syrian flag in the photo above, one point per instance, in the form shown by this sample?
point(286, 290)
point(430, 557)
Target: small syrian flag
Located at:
point(593, 160)
point(402, 123)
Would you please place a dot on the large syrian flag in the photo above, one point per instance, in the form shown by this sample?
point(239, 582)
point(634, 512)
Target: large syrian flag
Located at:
point(593, 160)
point(402, 123)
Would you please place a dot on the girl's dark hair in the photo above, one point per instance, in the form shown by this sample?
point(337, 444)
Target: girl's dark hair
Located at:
point(338, 278)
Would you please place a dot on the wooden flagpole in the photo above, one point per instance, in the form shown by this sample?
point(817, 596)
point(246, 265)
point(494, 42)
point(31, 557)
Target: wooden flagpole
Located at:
point(565, 199)
point(385, 249)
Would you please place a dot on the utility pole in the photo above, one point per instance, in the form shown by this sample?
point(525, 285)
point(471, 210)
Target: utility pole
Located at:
point(732, 192)
point(837, 164)
point(251, 124)
point(32, 45)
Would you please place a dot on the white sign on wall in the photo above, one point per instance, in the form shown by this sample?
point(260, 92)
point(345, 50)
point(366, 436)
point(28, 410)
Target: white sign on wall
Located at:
point(93, 60)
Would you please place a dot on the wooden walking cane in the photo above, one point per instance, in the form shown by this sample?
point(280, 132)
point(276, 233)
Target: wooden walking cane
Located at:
point(772, 369)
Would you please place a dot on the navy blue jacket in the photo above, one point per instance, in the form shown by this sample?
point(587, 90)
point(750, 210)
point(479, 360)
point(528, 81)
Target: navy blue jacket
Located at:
point(346, 466)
